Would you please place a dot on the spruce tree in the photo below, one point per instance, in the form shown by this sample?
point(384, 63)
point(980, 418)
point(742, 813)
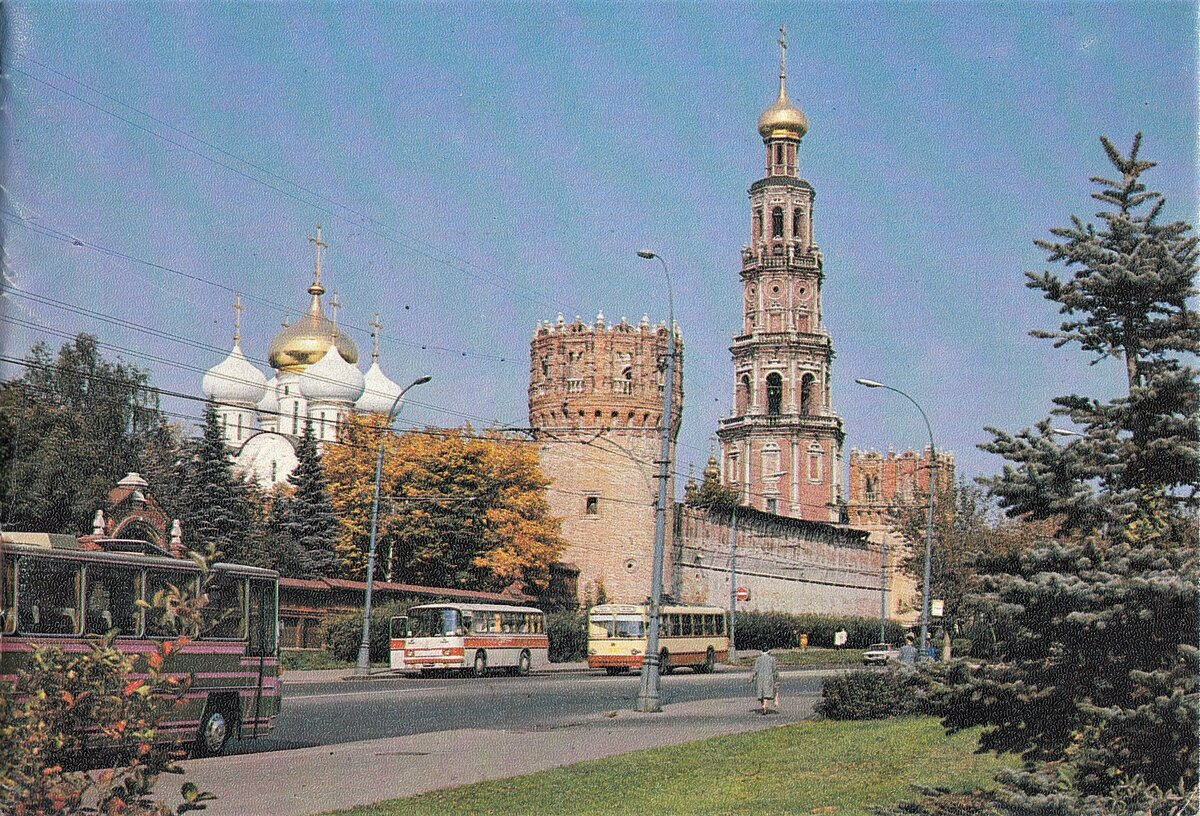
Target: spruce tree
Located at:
point(216, 508)
point(1098, 666)
point(1126, 299)
point(305, 520)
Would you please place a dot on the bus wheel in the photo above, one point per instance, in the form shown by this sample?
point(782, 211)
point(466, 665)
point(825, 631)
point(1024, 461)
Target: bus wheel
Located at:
point(214, 733)
point(480, 663)
point(664, 663)
point(523, 664)
point(613, 671)
point(710, 662)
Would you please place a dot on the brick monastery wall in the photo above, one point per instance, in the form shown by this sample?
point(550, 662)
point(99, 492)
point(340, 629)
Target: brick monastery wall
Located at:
point(788, 565)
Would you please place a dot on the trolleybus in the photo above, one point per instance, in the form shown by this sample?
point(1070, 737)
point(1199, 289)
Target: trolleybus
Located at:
point(53, 592)
point(476, 637)
point(695, 636)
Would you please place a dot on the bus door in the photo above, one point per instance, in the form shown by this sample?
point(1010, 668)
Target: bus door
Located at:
point(263, 640)
point(397, 638)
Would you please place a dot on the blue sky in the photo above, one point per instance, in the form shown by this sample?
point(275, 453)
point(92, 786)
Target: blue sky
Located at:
point(479, 167)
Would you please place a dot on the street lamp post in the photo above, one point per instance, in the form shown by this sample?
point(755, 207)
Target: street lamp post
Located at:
point(649, 697)
point(363, 667)
point(929, 524)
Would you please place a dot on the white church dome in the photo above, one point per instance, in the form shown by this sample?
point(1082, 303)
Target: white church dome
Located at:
point(332, 379)
point(235, 380)
point(379, 394)
point(269, 404)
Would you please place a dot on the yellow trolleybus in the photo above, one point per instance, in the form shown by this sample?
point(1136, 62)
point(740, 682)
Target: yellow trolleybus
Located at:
point(695, 636)
point(54, 592)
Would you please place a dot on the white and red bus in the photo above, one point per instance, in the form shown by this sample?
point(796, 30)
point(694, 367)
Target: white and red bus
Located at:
point(694, 636)
point(477, 637)
point(53, 592)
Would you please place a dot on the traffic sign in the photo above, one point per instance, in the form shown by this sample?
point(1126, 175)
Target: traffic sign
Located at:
point(743, 593)
point(936, 607)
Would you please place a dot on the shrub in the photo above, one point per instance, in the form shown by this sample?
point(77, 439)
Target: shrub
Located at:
point(875, 695)
point(782, 630)
point(568, 636)
point(343, 633)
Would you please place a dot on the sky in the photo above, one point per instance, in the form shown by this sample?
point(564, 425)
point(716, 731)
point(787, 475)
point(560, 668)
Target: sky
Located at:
point(479, 167)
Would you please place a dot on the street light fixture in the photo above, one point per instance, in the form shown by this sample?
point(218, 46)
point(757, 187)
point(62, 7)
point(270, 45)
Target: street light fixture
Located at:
point(932, 492)
point(649, 697)
point(363, 667)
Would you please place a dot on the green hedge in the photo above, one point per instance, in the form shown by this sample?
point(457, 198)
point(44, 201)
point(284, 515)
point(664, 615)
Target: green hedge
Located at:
point(875, 695)
point(568, 636)
point(343, 633)
point(782, 630)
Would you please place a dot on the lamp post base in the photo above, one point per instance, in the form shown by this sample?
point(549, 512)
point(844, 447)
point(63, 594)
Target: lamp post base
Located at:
point(649, 699)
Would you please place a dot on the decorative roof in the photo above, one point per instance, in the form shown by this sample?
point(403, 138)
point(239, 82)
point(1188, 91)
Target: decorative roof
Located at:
point(379, 392)
point(235, 380)
point(332, 379)
point(269, 404)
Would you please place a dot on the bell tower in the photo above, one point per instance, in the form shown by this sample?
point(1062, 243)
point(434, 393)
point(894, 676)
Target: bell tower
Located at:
point(782, 446)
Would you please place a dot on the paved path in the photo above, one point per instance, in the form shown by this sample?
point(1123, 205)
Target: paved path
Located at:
point(312, 780)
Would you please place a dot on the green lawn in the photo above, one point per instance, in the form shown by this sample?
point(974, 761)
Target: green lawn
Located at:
point(843, 768)
point(316, 659)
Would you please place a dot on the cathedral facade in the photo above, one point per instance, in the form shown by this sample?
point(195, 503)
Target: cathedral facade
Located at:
point(316, 382)
point(781, 449)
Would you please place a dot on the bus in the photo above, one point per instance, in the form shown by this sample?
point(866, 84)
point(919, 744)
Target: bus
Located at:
point(475, 637)
point(53, 592)
point(695, 636)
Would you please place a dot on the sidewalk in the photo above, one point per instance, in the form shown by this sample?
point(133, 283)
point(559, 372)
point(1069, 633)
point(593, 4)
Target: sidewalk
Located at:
point(313, 780)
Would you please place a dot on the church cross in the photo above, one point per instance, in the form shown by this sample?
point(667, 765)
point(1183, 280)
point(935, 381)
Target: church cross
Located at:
point(320, 245)
point(238, 308)
point(377, 326)
point(334, 305)
point(782, 53)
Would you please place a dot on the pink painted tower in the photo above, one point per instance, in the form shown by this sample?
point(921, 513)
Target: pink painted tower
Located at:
point(782, 446)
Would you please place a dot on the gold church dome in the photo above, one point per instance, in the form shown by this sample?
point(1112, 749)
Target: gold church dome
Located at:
point(304, 342)
point(783, 120)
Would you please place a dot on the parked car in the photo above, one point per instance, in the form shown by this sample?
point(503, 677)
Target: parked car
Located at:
point(880, 654)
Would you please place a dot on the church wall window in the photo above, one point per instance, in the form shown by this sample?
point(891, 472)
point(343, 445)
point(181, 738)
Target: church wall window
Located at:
point(774, 394)
point(239, 427)
point(808, 387)
point(778, 154)
point(743, 395)
point(777, 222)
point(816, 463)
point(296, 418)
point(758, 224)
point(797, 223)
point(772, 506)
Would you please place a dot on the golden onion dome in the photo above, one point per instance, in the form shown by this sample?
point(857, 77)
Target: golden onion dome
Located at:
point(783, 120)
point(305, 342)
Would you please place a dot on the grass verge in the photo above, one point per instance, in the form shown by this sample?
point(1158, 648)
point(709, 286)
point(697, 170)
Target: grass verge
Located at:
point(316, 659)
point(843, 768)
point(814, 658)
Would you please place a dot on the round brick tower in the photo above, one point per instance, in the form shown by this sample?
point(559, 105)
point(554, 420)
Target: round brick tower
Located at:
point(595, 407)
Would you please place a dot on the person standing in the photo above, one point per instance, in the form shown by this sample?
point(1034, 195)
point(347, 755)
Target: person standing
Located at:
point(908, 652)
point(765, 680)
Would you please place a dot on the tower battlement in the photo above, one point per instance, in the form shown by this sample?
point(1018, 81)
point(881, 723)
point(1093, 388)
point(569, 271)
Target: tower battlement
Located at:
point(883, 482)
point(591, 376)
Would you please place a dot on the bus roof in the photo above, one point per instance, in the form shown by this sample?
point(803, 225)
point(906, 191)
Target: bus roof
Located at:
point(67, 546)
point(637, 609)
point(475, 607)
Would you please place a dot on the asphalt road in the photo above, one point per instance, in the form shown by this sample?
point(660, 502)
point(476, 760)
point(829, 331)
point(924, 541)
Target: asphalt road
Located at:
point(333, 713)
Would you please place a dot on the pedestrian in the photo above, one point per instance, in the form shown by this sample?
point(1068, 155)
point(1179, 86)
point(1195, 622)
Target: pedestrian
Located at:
point(766, 680)
point(908, 652)
point(839, 638)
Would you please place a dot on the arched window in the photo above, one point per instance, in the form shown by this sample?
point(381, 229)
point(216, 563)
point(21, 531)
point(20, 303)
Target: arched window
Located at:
point(774, 393)
point(777, 222)
point(743, 395)
point(797, 222)
point(758, 223)
point(808, 387)
point(778, 153)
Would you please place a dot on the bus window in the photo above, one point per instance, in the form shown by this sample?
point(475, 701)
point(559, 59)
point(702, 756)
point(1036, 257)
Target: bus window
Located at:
point(161, 580)
point(687, 624)
point(8, 597)
point(111, 595)
point(526, 624)
point(226, 608)
point(468, 622)
point(398, 627)
point(433, 622)
point(721, 624)
point(263, 635)
point(49, 593)
point(511, 623)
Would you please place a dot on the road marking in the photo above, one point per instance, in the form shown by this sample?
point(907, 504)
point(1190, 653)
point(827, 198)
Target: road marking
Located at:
point(287, 696)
